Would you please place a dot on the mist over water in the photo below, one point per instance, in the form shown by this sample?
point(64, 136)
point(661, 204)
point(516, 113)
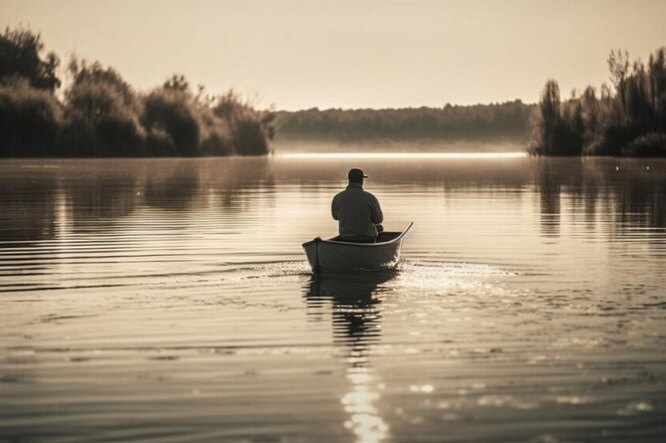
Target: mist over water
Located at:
point(170, 298)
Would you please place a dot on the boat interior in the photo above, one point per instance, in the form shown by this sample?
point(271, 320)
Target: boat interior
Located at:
point(383, 237)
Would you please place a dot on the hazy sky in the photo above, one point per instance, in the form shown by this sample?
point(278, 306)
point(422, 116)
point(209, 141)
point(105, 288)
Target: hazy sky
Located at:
point(299, 54)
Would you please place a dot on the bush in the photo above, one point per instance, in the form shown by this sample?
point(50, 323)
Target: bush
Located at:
point(652, 144)
point(102, 114)
point(249, 137)
point(172, 114)
point(215, 134)
point(250, 129)
point(30, 120)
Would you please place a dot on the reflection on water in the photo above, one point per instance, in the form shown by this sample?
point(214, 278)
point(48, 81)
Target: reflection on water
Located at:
point(38, 196)
point(549, 192)
point(356, 317)
point(174, 191)
point(171, 299)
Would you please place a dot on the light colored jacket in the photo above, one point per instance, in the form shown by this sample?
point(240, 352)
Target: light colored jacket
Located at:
point(357, 212)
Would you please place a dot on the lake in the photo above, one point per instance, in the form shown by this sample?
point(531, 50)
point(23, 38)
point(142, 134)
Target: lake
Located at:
point(170, 300)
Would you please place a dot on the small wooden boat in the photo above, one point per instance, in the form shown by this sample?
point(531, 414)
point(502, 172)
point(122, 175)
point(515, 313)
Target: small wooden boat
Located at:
point(334, 256)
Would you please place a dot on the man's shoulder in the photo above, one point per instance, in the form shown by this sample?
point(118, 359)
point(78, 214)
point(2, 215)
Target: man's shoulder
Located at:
point(338, 196)
point(357, 192)
point(348, 191)
point(369, 195)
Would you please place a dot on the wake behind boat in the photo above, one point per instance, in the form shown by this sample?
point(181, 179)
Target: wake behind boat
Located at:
point(335, 256)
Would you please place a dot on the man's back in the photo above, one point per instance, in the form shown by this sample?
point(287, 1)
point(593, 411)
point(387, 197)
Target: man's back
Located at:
point(358, 212)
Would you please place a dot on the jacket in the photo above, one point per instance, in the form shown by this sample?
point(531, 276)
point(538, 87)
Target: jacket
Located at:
point(357, 212)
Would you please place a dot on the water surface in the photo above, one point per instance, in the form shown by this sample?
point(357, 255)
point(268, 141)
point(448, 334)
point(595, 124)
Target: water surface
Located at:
point(170, 300)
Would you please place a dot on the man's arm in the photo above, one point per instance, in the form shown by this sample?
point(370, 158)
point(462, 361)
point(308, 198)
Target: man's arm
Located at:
point(377, 215)
point(335, 210)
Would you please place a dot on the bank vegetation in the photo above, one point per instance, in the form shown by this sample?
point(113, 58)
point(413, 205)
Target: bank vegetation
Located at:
point(627, 119)
point(98, 114)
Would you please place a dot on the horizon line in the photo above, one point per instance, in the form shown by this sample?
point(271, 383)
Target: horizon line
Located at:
point(403, 155)
point(398, 108)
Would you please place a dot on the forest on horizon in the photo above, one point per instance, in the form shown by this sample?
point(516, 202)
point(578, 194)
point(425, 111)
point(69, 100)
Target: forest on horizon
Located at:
point(508, 120)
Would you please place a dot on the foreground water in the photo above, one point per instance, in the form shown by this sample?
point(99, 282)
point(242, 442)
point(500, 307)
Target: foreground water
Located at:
point(170, 300)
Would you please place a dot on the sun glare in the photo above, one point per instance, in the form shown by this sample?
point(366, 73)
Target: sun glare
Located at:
point(403, 155)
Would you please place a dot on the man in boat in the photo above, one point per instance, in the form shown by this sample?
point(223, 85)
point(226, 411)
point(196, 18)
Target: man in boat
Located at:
point(357, 211)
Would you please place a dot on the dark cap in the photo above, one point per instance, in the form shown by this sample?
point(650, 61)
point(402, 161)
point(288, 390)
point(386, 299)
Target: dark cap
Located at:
point(356, 175)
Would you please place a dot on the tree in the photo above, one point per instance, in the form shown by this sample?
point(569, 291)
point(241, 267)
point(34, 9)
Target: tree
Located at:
point(20, 56)
point(177, 82)
point(548, 120)
point(618, 64)
point(172, 115)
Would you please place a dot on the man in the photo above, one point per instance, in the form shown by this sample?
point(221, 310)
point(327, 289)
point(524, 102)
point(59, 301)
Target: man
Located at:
point(357, 211)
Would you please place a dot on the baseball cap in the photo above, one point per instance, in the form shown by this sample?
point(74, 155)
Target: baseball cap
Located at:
point(356, 174)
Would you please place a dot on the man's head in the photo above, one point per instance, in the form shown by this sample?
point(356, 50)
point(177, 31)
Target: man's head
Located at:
point(356, 175)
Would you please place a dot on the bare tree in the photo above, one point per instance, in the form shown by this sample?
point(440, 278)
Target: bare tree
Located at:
point(618, 64)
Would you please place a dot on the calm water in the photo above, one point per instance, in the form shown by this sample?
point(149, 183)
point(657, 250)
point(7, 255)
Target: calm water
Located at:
point(171, 300)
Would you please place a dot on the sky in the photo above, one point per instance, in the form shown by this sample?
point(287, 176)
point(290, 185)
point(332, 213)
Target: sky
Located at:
point(297, 54)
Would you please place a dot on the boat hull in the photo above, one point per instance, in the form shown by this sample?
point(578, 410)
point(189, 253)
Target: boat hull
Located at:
point(333, 256)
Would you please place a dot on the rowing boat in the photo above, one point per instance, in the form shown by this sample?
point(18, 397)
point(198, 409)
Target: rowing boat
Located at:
point(334, 256)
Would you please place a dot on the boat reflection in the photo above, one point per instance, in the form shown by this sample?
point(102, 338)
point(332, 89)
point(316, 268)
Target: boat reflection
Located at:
point(354, 302)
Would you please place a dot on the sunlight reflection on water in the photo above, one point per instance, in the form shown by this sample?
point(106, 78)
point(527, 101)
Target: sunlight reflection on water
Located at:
point(360, 402)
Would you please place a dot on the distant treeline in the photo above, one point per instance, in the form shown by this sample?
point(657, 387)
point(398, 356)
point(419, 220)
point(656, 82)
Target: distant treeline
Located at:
point(628, 120)
point(506, 120)
point(98, 114)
